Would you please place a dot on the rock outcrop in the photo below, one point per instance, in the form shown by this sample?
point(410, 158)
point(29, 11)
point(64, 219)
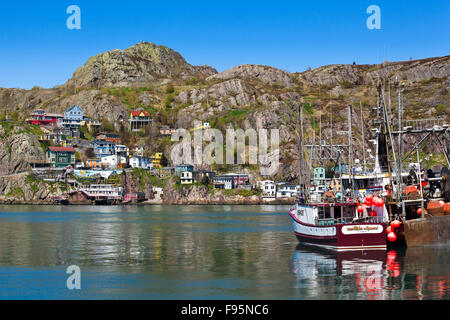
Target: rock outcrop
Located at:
point(138, 65)
point(414, 70)
point(17, 149)
point(266, 74)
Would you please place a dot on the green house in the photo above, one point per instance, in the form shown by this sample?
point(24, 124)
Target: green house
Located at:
point(61, 156)
point(319, 175)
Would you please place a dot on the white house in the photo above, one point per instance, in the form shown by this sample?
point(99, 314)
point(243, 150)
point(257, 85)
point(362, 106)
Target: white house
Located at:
point(187, 177)
point(268, 188)
point(139, 151)
point(285, 190)
point(113, 161)
point(223, 182)
point(122, 150)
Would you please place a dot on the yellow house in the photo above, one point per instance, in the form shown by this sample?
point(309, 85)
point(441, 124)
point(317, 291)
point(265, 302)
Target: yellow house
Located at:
point(156, 159)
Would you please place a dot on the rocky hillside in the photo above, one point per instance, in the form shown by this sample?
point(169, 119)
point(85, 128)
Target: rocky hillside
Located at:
point(136, 66)
point(159, 80)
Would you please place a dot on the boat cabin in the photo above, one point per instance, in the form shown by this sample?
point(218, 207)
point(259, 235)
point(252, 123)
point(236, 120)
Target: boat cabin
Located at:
point(324, 214)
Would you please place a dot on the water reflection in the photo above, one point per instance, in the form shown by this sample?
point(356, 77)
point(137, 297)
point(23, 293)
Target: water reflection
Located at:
point(412, 273)
point(198, 252)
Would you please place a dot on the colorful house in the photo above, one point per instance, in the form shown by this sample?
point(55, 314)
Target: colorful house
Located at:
point(239, 179)
point(166, 131)
point(156, 159)
point(94, 163)
point(141, 162)
point(103, 148)
point(166, 172)
point(73, 117)
point(139, 120)
point(112, 137)
point(183, 167)
point(61, 156)
point(319, 176)
point(186, 177)
point(41, 118)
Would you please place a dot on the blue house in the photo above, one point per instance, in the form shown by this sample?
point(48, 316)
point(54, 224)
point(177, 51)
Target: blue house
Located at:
point(103, 148)
point(73, 117)
point(183, 167)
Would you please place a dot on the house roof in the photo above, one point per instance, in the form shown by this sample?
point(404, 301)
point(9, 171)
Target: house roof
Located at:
point(136, 113)
point(73, 107)
point(65, 149)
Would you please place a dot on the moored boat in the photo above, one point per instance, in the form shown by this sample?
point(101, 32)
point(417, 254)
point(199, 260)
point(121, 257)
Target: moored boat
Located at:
point(337, 226)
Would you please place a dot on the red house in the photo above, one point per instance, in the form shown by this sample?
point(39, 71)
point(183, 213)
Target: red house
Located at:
point(139, 120)
point(41, 118)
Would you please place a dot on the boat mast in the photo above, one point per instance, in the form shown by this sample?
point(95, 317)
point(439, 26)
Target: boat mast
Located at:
point(362, 138)
point(399, 165)
point(350, 162)
point(300, 152)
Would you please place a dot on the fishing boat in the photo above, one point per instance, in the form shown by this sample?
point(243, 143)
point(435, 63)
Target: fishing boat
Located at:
point(335, 220)
point(338, 226)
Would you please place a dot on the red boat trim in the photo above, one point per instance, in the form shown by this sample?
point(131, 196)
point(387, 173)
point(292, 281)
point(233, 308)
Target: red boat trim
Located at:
point(306, 224)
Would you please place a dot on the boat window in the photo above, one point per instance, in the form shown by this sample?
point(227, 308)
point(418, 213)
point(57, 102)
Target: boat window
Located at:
point(324, 212)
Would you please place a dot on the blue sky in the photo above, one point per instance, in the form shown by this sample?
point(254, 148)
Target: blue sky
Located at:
point(36, 48)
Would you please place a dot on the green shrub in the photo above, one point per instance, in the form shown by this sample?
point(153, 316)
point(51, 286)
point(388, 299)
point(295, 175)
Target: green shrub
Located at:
point(440, 109)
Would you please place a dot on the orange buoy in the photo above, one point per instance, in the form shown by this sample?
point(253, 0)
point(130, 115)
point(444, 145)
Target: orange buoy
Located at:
point(360, 209)
point(395, 224)
point(372, 213)
point(378, 202)
point(388, 229)
point(392, 237)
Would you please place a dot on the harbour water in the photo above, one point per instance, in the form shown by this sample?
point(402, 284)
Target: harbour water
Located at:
point(197, 252)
